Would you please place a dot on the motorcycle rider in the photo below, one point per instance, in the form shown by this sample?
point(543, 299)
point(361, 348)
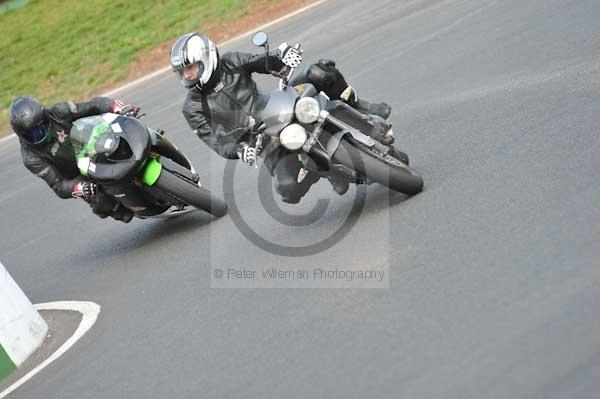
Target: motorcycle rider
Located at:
point(223, 98)
point(47, 153)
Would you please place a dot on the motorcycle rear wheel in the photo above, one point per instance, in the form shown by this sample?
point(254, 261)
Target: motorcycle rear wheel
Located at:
point(190, 193)
point(380, 168)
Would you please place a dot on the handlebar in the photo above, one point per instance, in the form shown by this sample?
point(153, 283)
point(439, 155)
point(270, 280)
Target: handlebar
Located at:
point(284, 75)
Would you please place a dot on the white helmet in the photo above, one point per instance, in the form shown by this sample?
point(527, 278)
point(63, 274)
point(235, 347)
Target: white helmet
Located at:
point(194, 48)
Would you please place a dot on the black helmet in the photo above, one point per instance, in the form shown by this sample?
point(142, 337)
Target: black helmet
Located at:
point(194, 48)
point(28, 119)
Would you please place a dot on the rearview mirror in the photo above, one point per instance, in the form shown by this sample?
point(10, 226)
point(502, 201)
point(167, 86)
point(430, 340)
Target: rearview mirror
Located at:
point(260, 39)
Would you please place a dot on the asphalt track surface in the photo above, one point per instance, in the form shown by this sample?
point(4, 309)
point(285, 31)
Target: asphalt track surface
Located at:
point(494, 268)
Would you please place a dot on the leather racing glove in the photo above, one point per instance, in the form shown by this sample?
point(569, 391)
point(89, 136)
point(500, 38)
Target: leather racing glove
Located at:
point(119, 107)
point(85, 190)
point(247, 154)
point(290, 56)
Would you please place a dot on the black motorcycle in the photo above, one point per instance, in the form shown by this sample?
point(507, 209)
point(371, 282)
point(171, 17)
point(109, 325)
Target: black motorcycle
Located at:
point(139, 167)
point(330, 136)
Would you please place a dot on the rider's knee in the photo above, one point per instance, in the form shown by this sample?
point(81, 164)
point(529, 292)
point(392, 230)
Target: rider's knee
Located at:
point(327, 78)
point(286, 176)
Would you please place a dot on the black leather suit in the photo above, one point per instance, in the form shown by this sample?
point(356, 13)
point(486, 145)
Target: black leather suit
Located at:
point(219, 113)
point(54, 160)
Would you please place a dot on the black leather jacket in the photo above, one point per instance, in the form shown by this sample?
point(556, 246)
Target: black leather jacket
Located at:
point(219, 114)
point(54, 160)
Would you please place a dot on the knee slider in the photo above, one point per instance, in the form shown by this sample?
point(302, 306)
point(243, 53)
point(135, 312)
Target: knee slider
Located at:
point(322, 78)
point(327, 78)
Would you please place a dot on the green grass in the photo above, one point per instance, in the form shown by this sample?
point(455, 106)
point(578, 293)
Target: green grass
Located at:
point(62, 49)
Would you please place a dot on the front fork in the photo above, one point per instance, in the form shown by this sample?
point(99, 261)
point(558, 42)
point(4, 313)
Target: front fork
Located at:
point(324, 154)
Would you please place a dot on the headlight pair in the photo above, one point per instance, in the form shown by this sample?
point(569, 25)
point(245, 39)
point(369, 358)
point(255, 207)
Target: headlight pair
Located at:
point(307, 110)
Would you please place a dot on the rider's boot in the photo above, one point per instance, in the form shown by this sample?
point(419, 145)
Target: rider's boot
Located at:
point(382, 110)
point(339, 183)
point(396, 153)
point(121, 213)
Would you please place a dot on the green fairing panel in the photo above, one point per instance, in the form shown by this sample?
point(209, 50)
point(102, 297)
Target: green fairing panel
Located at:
point(151, 172)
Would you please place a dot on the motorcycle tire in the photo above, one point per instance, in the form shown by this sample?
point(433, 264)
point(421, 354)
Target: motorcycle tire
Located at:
point(190, 193)
point(382, 169)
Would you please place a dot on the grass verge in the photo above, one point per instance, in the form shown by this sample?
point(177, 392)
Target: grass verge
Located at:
point(66, 49)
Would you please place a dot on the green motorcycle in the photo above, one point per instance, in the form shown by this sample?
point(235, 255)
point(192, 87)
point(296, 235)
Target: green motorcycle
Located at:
point(139, 167)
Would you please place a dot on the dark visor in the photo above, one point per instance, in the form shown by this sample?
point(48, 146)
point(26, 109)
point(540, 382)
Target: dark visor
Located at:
point(36, 135)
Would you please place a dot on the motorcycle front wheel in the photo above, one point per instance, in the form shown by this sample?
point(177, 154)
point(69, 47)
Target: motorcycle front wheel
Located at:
point(378, 167)
point(190, 193)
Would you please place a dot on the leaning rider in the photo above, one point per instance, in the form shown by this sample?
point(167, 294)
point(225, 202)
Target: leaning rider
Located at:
point(47, 152)
point(223, 100)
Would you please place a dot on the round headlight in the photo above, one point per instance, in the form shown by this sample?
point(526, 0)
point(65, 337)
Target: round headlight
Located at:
point(293, 137)
point(307, 110)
